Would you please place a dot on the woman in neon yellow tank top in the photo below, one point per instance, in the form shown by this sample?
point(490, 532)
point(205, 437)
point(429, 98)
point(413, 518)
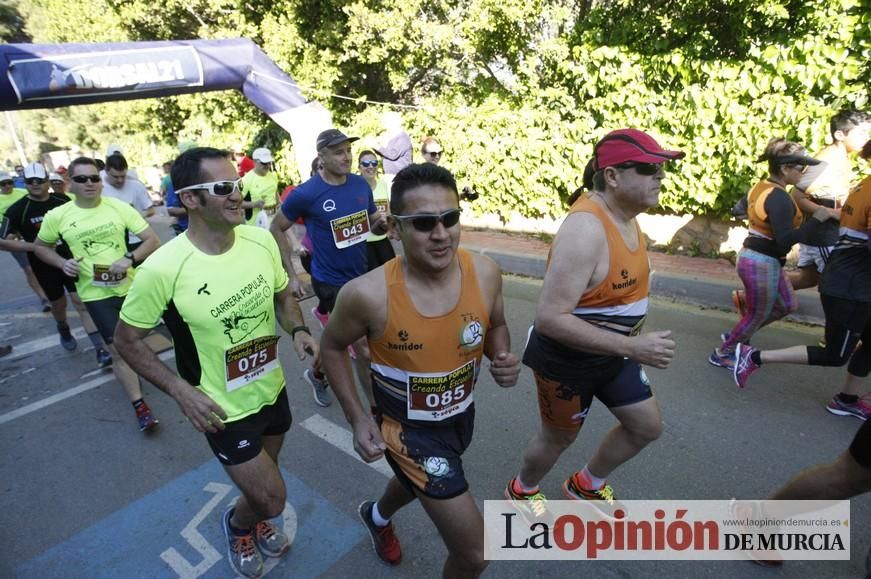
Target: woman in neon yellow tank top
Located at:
point(378, 248)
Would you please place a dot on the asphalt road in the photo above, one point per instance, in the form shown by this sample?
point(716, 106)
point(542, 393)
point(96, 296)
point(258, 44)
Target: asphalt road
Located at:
point(85, 494)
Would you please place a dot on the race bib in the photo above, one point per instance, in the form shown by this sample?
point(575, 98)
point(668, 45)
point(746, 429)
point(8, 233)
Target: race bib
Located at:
point(249, 361)
point(104, 278)
point(350, 229)
point(381, 206)
point(435, 397)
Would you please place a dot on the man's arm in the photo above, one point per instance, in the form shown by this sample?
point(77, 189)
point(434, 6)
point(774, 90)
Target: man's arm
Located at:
point(504, 366)
point(279, 225)
point(350, 321)
point(202, 411)
point(150, 242)
point(290, 318)
point(577, 250)
point(47, 254)
point(15, 245)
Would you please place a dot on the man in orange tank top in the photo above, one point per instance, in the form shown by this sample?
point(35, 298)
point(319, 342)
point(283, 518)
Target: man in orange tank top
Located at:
point(429, 317)
point(587, 340)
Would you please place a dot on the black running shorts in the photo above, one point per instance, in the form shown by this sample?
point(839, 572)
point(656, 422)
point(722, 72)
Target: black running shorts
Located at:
point(242, 440)
point(105, 314)
point(429, 460)
point(53, 281)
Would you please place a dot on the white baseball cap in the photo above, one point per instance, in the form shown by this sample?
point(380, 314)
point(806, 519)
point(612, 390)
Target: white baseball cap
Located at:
point(262, 154)
point(55, 177)
point(35, 170)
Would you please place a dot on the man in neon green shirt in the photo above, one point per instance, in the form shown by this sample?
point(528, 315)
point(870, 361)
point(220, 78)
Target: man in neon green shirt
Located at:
point(95, 229)
point(260, 188)
point(220, 287)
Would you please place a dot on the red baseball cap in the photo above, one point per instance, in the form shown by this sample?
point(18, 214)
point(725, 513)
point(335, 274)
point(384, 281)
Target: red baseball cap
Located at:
point(625, 145)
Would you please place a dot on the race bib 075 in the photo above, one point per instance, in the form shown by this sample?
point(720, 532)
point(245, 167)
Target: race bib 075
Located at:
point(247, 362)
point(104, 278)
point(435, 397)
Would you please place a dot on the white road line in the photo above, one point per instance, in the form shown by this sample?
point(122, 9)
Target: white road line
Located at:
point(27, 348)
point(341, 438)
point(60, 396)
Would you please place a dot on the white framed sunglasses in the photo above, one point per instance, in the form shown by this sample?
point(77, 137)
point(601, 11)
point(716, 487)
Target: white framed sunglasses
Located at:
point(216, 188)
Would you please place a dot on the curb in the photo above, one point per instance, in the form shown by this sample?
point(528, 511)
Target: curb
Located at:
point(679, 288)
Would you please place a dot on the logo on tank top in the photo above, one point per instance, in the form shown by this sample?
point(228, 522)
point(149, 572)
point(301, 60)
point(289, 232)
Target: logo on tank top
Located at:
point(472, 334)
point(627, 281)
point(404, 344)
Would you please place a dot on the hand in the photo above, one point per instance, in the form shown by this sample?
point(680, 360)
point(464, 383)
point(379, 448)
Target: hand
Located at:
point(71, 267)
point(367, 440)
point(653, 349)
point(835, 214)
point(121, 266)
point(296, 288)
point(260, 204)
point(380, 224)
point(505, 368)
point(199, 409)
point(304, 343)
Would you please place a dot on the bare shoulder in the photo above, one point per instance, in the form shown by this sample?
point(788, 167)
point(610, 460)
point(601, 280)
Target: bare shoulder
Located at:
point(365, 292)
point(485, 267)
point(581, 234)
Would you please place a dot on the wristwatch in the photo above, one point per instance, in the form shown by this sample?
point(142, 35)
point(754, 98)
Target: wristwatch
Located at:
point(133, 262)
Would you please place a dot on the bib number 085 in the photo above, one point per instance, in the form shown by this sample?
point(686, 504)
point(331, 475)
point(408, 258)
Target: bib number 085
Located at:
point(446, 397)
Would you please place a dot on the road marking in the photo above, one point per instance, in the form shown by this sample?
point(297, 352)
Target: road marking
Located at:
point(27, 348)
point(40, 315)
point(60, 396)
point(341, 438)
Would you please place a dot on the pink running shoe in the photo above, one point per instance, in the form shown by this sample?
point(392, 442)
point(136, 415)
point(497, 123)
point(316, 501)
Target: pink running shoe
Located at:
point(321, 318)
point(744, 364)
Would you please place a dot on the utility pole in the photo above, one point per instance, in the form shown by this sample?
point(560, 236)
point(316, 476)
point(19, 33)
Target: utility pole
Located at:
point(10, 124)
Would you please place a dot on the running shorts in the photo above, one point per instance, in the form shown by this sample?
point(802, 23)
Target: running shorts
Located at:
point(52, 280)
point(105, 314)
point(242, 440)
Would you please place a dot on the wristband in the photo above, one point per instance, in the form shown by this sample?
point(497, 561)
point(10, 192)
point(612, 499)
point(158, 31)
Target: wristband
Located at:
point(294, 331)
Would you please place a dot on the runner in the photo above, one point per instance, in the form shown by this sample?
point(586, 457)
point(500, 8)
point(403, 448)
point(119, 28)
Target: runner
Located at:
point(339, 212)
point(775, 226)
point(221, 287)
point(23, 219)
point(429, 317)
point(261, 189)
point(9, 194)
point(586, 341)
point(95, 229)
point(378, 248)
point(845, 291)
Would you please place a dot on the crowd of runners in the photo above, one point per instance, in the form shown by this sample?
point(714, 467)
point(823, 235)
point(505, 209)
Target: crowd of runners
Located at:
point(411, 332)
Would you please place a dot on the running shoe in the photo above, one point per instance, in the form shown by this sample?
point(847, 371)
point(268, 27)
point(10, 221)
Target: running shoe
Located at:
point(384, 540)
point(722, 360)
point(602, 499)
point(5, 350)
point(861, 408)
point(319, 388)
point(532, 506)
point(739, 302)
point(46, 307)
point(743, 511)
point(104, 358)
point(725, 336)
point(66, 337)
point(271, 541)
point(242, 550)
point(744, 364)
point(321, 318)
point(147, 421)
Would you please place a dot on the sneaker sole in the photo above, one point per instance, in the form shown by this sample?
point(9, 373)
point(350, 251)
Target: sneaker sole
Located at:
point(519, 506)
point(718, 364)
point(362, 518)
point(838, 412)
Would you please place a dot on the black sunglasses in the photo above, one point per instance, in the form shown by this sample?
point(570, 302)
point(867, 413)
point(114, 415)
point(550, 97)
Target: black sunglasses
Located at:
point(427, 222)
point(6, 183)
point(433, 153)
point(641, 168)
point(86, 178)
point(34, 181)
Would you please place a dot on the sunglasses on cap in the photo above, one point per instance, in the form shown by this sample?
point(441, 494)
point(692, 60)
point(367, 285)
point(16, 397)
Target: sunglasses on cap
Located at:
point(641, 168)
point(216, 188)
point(369, 163)
point(34, 181)
point(426, 222)
point(7, 183)
point(86, 178)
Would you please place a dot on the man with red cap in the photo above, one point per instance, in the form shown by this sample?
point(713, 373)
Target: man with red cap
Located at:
point(587, 341)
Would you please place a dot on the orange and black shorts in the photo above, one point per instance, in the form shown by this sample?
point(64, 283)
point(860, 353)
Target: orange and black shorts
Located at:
point(564, 404)
point(429, 460)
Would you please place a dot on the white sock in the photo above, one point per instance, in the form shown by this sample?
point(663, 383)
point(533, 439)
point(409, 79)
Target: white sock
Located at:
point(377, 518)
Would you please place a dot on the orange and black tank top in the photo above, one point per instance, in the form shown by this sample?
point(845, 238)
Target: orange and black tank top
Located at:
point(619, 302)
point(424, 369)
point(758, 217)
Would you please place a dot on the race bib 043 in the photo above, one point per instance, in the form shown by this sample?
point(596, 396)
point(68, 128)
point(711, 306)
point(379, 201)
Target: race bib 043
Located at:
point(435, 397)
point(247, 362)
point(350, 229)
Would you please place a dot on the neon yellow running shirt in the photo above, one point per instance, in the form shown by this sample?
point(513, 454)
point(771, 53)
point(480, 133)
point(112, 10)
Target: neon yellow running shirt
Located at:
point(97, 236)
point(221, 313)
point(260, 188)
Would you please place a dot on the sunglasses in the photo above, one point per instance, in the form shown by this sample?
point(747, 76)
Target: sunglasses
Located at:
point(216, 188)
point(86, 178)
point(433, 153)
point(368, 163)
point(641, 168)
point(6, 183)
point(427, 222)
point(34, 181)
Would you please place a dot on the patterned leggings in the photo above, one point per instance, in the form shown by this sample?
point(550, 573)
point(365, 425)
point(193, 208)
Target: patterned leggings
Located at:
point(768, 294)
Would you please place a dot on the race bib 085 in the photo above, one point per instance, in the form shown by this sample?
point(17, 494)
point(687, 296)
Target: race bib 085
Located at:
point(435, 397)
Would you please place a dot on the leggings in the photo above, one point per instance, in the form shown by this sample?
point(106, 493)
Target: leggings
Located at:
point(847, 322)
point(768, 294)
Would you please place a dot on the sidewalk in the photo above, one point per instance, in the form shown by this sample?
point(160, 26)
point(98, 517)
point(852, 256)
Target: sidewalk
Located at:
point(692, 280)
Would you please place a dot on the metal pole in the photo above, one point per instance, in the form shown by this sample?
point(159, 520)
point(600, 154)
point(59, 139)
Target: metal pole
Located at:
point(22, 158)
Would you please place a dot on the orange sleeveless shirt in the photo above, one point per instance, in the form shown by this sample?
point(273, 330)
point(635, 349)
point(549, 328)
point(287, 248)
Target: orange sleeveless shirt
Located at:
point(424, 369)
point(756, 213)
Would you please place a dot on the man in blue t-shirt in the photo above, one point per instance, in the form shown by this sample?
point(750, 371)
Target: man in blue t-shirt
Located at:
point(339, 212)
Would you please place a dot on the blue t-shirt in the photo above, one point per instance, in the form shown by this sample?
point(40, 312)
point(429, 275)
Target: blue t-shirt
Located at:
point(337, 221)
point(172, 200)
